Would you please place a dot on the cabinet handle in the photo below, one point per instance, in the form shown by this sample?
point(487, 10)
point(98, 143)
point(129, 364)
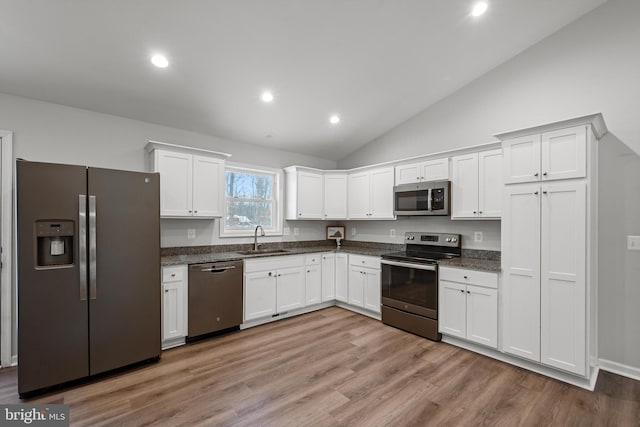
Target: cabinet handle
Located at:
point(465, 277)
point(299, 213)
point(544, 174)
point(544, 192)
point(195, 211)
point(417, 177)
point(173, 274)
point(166, 291)
point(462, 290)
point(480, 212)
point(536, 174)
point(190, 211)
point(422, 177)
point(536, 193)
point(474, 212)
point(468, 292)
point(308, 271)
point(270, 274)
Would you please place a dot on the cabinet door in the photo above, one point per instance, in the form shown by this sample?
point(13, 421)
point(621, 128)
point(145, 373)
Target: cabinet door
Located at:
point(382, 194)
point(464, 186)
point(564, 153)
point(435, 170)
point(175, 183)
point(521, 159)
point(490, 184)
point(408, 174)
point(482, 315)
point(521, 269)
point(313, 282)
point(259, 295)
point(342, 278)
point(372, 289)
point(359, 193)
point(328, 277)
point(452, 309)
point(335, 196)
point(563, 281)
point(173, 310)
point(356, 286)
point(208, 184)
point(290, 289)
point(310, 195)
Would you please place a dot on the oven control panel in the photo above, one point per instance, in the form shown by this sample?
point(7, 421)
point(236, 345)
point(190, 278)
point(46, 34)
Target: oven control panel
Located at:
point(434, 239)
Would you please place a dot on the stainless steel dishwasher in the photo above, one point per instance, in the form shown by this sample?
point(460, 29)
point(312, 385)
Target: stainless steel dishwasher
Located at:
point(215, 297)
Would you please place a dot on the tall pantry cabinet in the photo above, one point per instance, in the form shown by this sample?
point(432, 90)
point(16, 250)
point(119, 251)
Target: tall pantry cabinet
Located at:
point(549, 244)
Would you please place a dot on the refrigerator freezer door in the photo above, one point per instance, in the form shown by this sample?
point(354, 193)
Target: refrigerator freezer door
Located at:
point(125, 314)
point(52, 316)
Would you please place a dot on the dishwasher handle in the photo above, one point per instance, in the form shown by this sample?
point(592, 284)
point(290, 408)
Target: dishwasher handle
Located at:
point(217, 269)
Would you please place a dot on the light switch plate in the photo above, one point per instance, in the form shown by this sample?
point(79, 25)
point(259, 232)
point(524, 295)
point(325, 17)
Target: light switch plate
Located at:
point(296, 231)
point(392, 232)
point(353, 231)
point(477, 236)
point(286, 231)
point(633, 243)
point(191, 233)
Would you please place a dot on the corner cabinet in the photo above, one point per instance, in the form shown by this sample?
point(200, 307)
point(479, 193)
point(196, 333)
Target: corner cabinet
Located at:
point(174, 305)
point(476, 185)
point(549, 244)
point(371, 194)
point(315, 194)
point(191, 180)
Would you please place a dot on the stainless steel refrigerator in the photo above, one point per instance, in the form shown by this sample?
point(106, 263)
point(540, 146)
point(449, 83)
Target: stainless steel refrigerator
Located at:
point(88, 248)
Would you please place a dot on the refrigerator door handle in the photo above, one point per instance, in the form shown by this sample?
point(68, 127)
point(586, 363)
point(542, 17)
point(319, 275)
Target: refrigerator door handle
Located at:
point(92, 248)
point(82, 245)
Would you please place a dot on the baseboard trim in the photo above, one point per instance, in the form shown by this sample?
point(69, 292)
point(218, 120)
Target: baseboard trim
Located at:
point(359, 310)
point(258, 322)
point(620, 369)
point(582, 382)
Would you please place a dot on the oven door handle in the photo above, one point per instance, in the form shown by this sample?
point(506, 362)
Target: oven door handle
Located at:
point(404, 264)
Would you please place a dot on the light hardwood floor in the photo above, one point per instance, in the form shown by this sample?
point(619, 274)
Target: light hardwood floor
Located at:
point(336, 368)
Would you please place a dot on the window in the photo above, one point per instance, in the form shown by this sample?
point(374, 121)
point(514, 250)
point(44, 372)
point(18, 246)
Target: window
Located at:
point(252, 197)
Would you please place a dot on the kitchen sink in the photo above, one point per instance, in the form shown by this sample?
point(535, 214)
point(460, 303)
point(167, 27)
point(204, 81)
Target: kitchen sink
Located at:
point(264, 252)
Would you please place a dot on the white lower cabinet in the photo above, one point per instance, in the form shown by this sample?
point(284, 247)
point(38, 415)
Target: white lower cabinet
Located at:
point(313, 279)
point(174, 303)
point(468, 305)
point(328, 277)
point(273, 285)
point(342, 277)
point(364, 282)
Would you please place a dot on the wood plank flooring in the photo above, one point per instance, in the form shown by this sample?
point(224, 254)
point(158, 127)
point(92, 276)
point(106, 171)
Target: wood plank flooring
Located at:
point(336, 368)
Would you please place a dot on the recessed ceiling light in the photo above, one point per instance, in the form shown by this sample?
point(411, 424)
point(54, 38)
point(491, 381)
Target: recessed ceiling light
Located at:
point(266, 96)
point(160, 61)
point(334, 119)
point(479, 8)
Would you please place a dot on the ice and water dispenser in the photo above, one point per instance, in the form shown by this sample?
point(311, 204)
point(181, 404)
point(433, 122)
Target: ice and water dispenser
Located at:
point(54, 243)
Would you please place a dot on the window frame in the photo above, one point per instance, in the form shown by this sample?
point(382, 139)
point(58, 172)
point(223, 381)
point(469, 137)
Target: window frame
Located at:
point(278, 200)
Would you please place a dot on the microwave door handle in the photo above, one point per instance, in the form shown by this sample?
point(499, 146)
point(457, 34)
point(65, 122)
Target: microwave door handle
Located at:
point(429, 195)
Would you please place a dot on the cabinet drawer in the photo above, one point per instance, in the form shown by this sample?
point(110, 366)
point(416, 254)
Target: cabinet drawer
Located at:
point(312, 259)
point(273, 263)
point(174, 274)
point(364, 261)
point(469, 277)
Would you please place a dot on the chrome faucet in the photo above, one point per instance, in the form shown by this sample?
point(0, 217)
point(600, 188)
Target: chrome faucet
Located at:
point(255, 236)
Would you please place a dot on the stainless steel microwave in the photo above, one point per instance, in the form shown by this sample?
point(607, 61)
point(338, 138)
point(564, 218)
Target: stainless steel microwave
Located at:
point(422, 198)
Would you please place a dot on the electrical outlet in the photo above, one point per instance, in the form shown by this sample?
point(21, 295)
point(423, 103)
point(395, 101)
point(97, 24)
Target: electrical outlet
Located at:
point(286, 231)
point(296, 231)
point(392, 232)
point(477, 236)
point(191, 233)
point(633, 243)
point(353, 231)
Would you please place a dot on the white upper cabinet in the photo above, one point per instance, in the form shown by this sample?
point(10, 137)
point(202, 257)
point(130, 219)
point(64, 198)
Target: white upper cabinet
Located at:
point(432, 170)
point(476, 185)
point(371, 194)
point(558, 154)
point(304, 194)
point(191, 180)
point(335, 196)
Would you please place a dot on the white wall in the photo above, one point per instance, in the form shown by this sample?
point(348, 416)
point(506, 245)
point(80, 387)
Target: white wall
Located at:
point(619, 268)
point(55, 133)
point(590, 66)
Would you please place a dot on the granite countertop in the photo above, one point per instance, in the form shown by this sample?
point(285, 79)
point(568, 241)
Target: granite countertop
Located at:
point(472, 259)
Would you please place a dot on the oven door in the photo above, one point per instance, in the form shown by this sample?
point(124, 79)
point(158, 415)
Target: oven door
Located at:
point(410, 287)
